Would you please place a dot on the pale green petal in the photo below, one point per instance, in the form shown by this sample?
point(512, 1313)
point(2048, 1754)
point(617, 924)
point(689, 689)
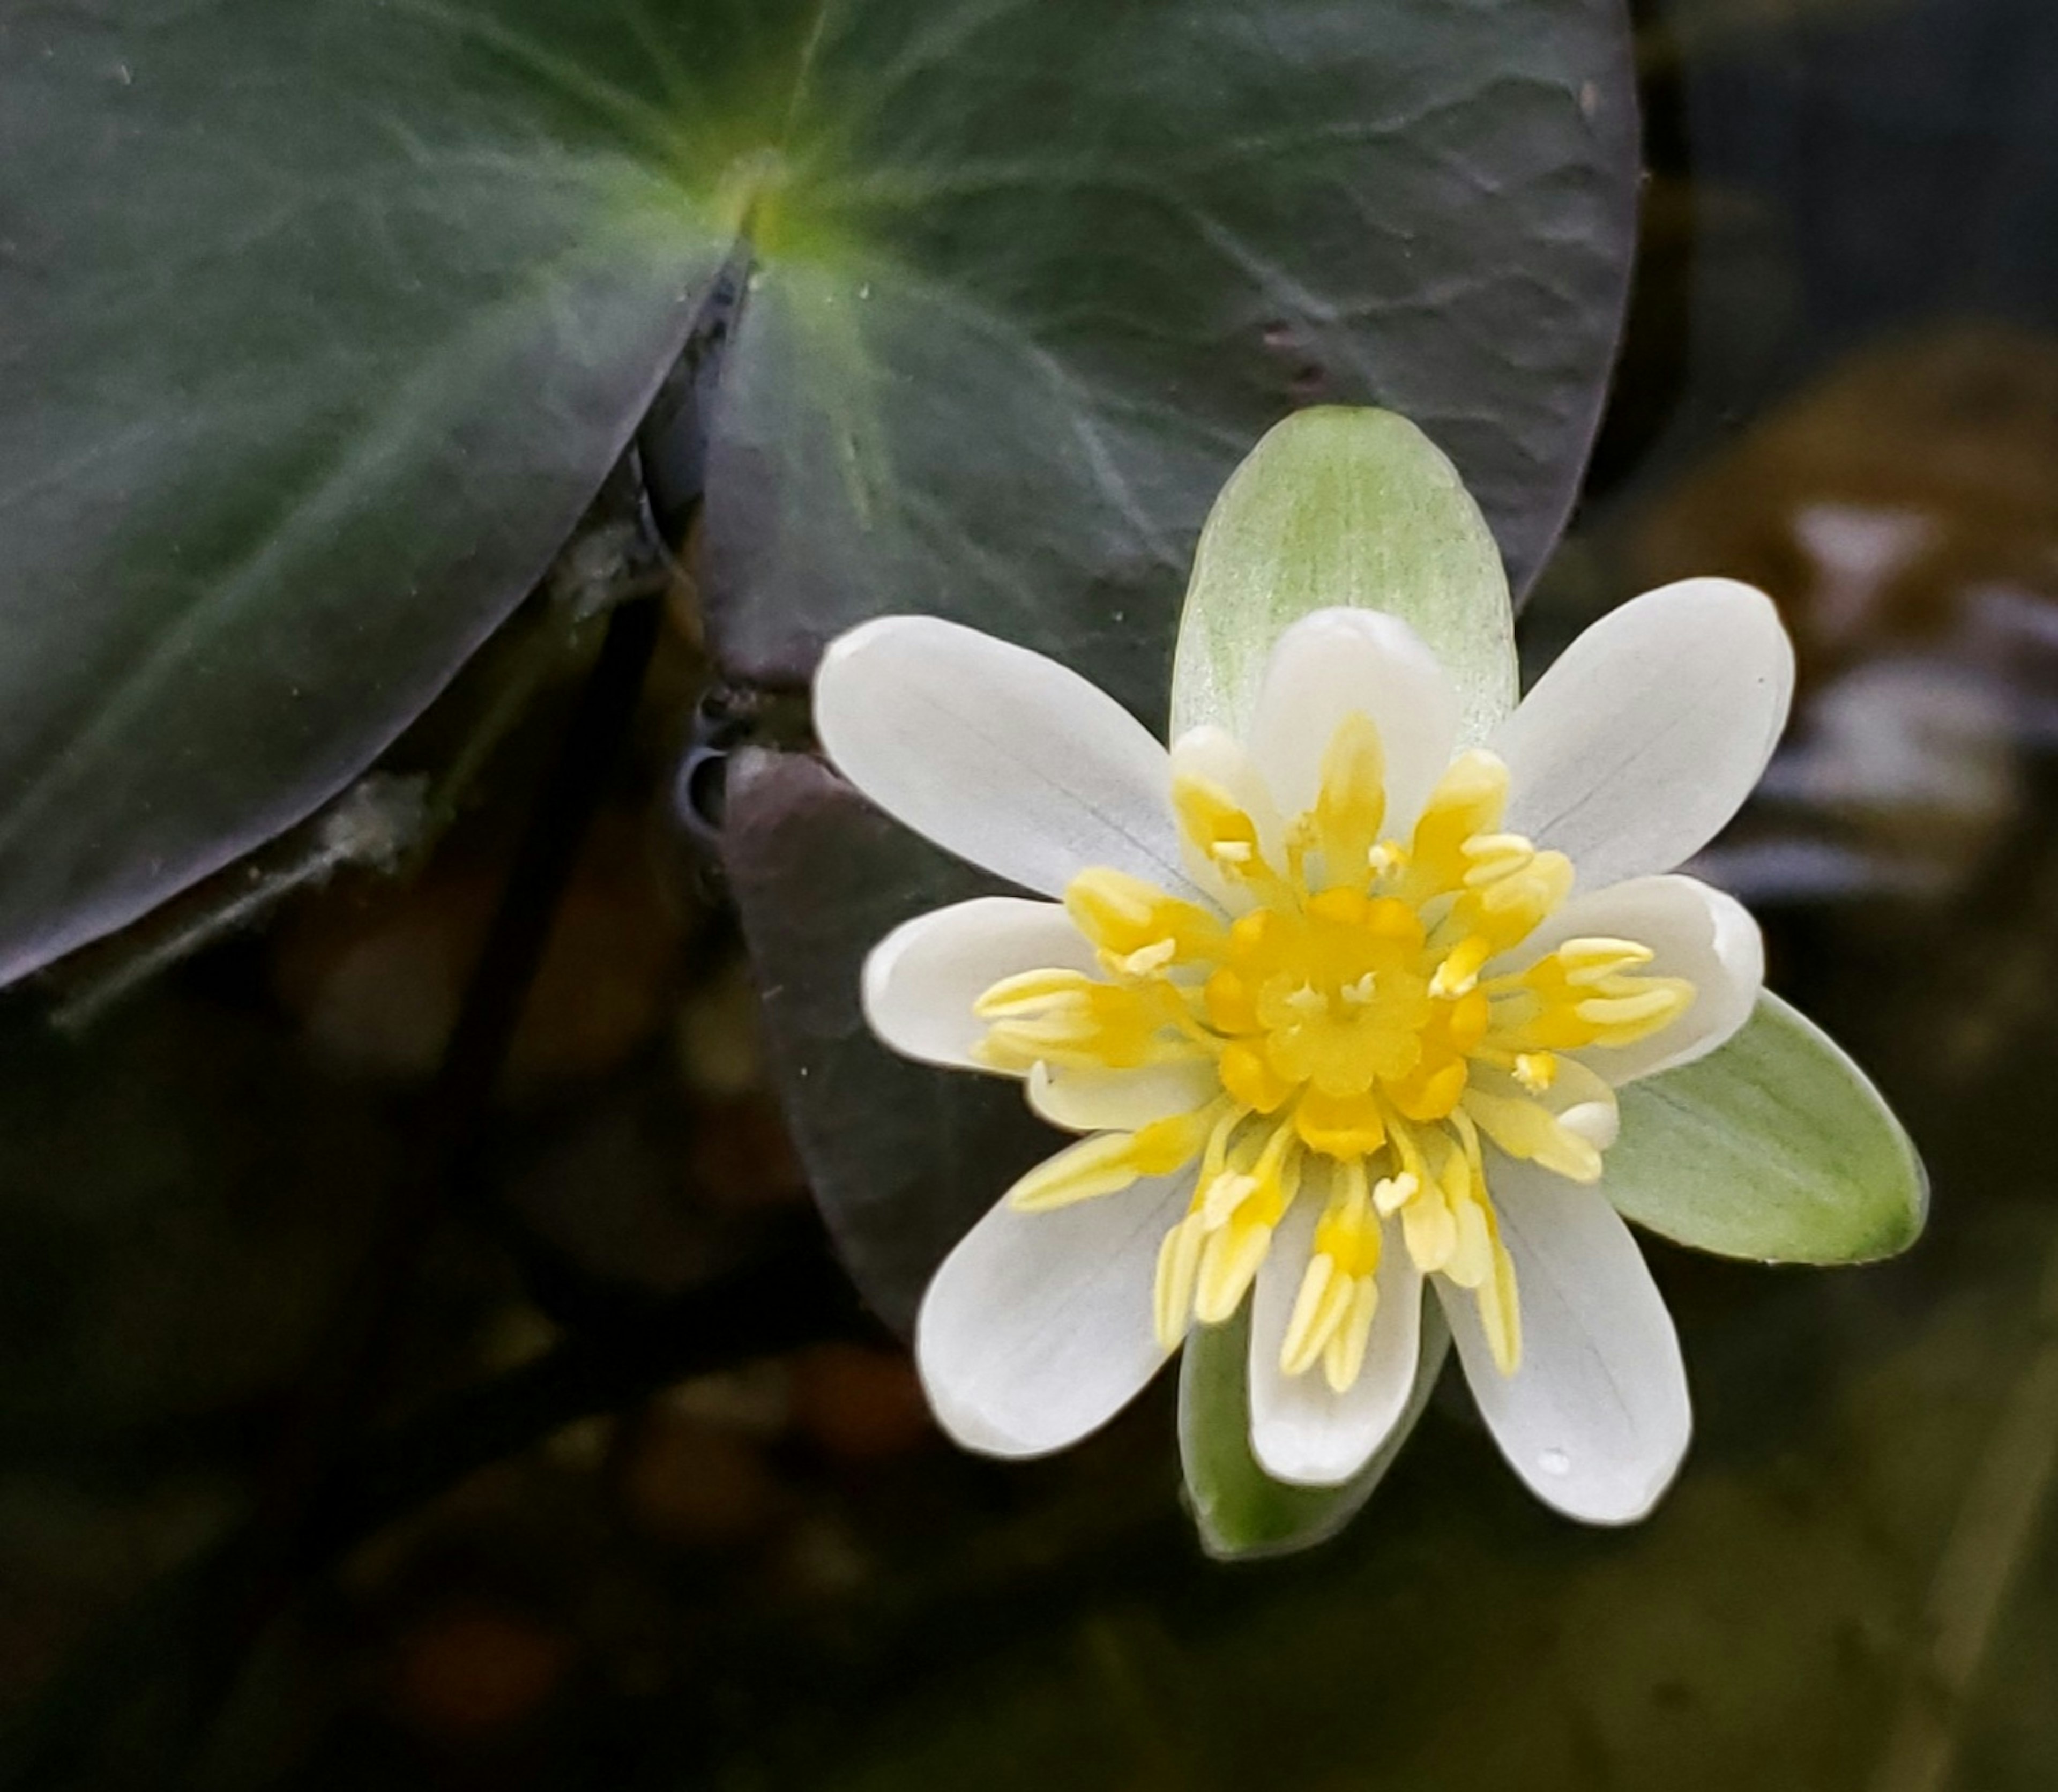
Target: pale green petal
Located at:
point(1239, 1510)
point(1355, 509)
point(1776, 1147)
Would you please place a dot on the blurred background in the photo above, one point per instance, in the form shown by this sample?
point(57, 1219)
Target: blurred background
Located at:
point(654, 1504)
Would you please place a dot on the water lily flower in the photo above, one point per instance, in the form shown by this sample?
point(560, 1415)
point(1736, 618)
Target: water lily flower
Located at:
point(1340, 1009)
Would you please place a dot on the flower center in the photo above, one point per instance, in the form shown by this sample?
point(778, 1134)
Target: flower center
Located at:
point(1343, 1030)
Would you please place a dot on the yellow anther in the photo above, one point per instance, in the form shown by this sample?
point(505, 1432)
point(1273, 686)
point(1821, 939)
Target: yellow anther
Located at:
point(1094, 1166)
point(1507, 910)
point(1468, 1020)
point(1490, 857)
point(1385, 858)
point(1624, 1019)
point(1392, 1192)
point(1524, 1128)
point(1230, 1260)
point(1589, 961)
point(1222, 1197)
point(1535, 1070)
point(1343, 1357)
point(1469, 800)
point(1352, 799)
point(1121, 915)
point(1035, 991)
point(1342, 906)
point(1319, 1308)
point(1221, 832)
point(1472, 1257)
point(1500, 1314)
point(1431, 1232)
point(1347, 1232)
point(1461, 969)
point(1252, 934)
point(1146, 960)
point(1111, 1161)
point(1178, 1264)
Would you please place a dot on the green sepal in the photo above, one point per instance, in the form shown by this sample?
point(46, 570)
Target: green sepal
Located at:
point(1239, 1510)
point(1342, 508)
point(1776, 1147)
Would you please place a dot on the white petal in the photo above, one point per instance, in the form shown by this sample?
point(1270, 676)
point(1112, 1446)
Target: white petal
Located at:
point(1335, 662)
point(1596, 1419)
point(1120, 1101)
point(1300, 1431)
point(995, 753)
point(921, 980)
point(1636, 748)
point(1037, 1328)
point(1698, 932)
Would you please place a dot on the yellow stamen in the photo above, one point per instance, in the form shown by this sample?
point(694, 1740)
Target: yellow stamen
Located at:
point(1343, 1357)
point(1352, 802)
point(1178, 1265)
point(1535, 1070)
point(1111, 1161)
point(1360, 1041)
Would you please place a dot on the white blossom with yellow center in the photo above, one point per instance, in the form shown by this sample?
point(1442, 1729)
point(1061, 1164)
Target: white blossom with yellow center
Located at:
point(1340, 1010)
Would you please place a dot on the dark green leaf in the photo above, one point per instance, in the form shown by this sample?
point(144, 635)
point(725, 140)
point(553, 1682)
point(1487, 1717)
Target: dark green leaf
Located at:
point(918, 1153)
point(324, 318)
point(1055, 265)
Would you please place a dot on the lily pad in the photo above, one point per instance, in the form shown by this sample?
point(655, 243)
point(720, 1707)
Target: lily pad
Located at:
point(917, 1156)
point(325, 317)
point(1776, 1147)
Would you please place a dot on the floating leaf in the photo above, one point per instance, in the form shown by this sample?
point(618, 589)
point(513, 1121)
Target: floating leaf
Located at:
point(325, 317)
point(1774, 1147)
point(919, 1154)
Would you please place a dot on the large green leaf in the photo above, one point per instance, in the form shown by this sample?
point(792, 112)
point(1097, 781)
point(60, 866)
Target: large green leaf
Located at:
point(1239, 1510)
point(1062, 262)
point(325, 316)
point(1355, 508)
point(1775, 1147)
point(323, 320)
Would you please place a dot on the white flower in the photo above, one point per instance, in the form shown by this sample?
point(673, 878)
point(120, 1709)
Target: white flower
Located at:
point(1339, 1009)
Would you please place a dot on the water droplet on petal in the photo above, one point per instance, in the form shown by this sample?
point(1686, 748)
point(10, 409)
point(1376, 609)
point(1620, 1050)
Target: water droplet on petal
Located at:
point(1555, 1462)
